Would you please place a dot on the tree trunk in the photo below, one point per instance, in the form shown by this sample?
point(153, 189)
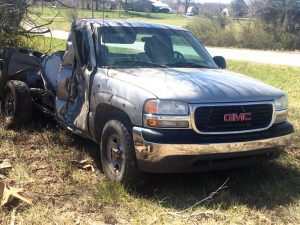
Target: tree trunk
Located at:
point(126, 5)
point(97, 5)
point(186, 5)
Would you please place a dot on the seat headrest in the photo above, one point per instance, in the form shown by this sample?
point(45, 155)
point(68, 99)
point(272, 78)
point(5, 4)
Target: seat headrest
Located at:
point(157, 49)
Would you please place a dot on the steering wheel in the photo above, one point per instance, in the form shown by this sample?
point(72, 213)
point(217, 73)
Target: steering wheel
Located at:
point(178, 55)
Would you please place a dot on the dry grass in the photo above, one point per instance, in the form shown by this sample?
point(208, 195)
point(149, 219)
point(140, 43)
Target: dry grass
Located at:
point(65, 194)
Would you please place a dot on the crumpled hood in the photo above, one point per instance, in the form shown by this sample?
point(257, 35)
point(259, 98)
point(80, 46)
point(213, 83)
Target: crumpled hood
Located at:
point(195, 85)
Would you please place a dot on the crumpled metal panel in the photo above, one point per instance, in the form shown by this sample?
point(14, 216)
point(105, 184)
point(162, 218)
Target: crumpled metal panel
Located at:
point(64, 87)
point(68, 59)
point(123, 95)
point(64, 78)
point(72, 100)
point(22, 59)
point(51, 66)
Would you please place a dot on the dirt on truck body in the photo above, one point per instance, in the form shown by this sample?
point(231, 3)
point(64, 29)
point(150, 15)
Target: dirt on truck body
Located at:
point(151, 96)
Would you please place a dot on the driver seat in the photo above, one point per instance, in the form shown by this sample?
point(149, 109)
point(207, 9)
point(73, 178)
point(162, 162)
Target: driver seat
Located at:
point(158, 51)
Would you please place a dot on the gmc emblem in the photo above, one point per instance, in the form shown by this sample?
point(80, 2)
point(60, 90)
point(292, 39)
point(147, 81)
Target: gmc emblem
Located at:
point(236, 117)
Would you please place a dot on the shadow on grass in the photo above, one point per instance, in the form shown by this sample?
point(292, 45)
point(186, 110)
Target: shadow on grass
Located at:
point(264, 186)
point(75, 141)
point(261, 186)
point(59, 136)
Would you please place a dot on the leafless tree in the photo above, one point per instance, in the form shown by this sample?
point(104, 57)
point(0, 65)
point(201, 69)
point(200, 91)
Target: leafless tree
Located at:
point(17, 18)
point(186, 4)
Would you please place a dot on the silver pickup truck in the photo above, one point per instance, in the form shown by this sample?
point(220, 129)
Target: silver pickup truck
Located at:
point(151, 96)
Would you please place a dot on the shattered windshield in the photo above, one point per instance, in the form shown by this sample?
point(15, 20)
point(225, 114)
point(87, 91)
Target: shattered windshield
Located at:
point(151, 47)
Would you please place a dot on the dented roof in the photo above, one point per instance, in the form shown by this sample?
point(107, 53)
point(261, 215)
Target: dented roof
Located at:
point(120, 23)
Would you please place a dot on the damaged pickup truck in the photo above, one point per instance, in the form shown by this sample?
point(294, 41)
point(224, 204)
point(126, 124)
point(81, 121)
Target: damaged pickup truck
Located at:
point(151, 96)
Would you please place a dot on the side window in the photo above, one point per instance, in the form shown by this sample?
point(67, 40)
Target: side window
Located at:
point(82, 46)
point(181, 45)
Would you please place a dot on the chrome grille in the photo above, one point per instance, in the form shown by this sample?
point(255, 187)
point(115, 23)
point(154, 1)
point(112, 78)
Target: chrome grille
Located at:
point(210, 119)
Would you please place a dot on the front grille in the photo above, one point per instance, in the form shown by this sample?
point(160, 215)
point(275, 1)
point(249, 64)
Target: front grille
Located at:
point(210, 119)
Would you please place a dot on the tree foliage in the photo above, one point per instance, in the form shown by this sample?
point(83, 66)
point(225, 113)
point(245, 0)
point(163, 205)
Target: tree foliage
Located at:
point(239, 8)
point(186, 4)
point(280, 15)
point(282, 19)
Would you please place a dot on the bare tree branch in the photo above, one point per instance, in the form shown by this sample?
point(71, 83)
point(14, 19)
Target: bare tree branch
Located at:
point(209, 197)
point(18, 18)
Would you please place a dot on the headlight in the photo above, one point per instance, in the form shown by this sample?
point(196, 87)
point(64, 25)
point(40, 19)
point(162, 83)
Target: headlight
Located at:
point(281, 103)
point(166, 114)
point(166, 107)
point(281, 106)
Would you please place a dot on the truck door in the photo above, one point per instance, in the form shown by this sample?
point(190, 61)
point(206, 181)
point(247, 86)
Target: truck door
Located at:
point(73, 88)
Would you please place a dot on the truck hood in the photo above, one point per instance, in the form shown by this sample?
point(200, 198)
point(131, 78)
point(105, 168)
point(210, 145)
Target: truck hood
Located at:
point(195, 85)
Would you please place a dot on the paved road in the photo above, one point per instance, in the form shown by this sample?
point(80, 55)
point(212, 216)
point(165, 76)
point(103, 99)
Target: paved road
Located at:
point(58, 34)
point(270, 57)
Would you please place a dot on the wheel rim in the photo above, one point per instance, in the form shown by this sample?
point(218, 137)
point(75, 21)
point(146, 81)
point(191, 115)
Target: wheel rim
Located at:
point(9, 105)
point(115, 154)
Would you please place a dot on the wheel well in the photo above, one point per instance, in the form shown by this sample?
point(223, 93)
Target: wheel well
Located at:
point(105, 112)
point(20, 76)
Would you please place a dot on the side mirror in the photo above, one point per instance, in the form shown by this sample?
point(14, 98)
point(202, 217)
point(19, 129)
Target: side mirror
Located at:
point(220, 61)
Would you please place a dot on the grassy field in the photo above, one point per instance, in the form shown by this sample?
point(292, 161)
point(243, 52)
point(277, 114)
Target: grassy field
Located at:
point(43, 44)
point(63, 19)
point(65, 194)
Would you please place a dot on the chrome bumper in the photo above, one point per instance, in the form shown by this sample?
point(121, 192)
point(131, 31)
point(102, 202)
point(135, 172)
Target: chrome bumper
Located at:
point(156, 152)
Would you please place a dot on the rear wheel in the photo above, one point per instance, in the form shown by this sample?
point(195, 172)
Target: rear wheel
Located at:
point(117, 154)
point(16, 105)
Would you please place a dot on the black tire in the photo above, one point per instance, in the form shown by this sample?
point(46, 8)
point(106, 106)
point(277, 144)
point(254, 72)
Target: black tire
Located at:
point(16, 104)
point(128, 173)
point(2, 83)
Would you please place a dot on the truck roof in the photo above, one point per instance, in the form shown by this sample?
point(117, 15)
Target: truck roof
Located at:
point(120, 23)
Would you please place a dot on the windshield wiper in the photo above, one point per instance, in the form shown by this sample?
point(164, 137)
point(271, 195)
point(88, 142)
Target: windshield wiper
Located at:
point(187, 64)
point(138, 63)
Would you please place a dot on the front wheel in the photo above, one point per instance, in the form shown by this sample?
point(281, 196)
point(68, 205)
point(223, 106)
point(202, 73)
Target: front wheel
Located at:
point(117, 153)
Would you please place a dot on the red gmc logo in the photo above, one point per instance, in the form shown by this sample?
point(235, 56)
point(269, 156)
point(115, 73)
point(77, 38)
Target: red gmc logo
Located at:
point(236, 117)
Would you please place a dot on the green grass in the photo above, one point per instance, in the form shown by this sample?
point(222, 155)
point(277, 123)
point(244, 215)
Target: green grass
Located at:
point(43, 44)
point(47, 11)
point(43, 15)
point(65, 194)
point(283, 77)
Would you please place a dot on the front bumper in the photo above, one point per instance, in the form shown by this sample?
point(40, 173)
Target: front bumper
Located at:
point(177, 151)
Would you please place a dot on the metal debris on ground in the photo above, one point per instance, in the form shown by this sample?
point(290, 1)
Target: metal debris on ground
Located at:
point(5, 164)
point(7, 194)
point(38, 165)
point(83, 164)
